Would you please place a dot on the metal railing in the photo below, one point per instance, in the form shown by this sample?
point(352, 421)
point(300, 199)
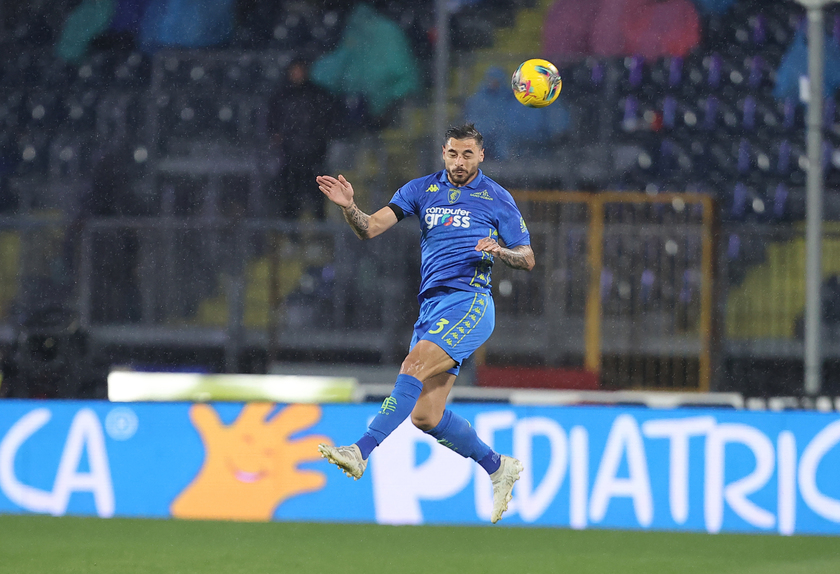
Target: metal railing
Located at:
point(250, 283)
point(622, 285)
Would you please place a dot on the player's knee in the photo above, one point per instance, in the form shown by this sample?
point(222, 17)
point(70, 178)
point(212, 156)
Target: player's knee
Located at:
point(412, 367)
point(424, 421)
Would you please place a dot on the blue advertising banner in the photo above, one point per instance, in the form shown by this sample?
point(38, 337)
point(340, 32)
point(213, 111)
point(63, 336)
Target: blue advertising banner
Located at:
point(585, 467)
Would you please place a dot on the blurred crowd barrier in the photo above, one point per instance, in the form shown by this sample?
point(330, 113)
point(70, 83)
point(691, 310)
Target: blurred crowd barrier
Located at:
point(645, 290)
point(623, 286)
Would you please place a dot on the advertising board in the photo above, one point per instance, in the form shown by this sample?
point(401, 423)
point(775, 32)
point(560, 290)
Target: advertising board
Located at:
point(707, 470)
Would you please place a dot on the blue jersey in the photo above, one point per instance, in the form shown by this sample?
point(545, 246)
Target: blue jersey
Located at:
point(452, 220)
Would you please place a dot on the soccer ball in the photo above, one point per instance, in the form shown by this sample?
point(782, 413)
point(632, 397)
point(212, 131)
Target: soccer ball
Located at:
point(536, 83)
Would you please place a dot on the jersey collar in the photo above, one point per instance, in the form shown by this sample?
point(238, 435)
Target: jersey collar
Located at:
point(471, 185)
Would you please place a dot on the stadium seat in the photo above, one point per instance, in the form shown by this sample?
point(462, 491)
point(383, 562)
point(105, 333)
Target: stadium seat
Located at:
point(780, 200)
point(42, 108)
point(131, 72)
point(69, 157)
point(635, 75)
point(118, 115)
point(33, 149)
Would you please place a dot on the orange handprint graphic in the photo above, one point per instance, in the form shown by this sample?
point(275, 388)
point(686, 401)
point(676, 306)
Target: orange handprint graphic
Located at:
point(250, 467)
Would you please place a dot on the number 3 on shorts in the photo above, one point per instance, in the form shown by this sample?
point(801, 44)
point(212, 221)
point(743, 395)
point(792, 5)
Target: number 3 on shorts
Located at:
point(439, 327)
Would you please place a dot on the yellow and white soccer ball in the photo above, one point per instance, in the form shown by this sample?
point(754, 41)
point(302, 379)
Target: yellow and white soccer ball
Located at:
point(536, 83)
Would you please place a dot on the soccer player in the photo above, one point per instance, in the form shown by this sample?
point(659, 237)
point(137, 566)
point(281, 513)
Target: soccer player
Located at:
point(462, 215)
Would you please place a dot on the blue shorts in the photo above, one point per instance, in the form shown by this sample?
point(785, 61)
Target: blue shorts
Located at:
point(457, 321)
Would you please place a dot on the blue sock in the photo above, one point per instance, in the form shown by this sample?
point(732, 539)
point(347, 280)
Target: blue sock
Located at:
point(455, 432)
point(366, 444)
point(394, 410)
point(491, 462)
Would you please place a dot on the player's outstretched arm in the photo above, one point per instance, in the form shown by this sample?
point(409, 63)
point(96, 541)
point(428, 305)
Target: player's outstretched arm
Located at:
point(520, 257)
point(365, 226)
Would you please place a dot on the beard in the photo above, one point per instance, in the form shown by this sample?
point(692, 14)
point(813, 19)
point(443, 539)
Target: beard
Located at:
point(460, 178)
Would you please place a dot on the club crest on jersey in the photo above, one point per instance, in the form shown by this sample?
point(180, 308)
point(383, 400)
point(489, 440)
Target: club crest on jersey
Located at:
point(432, 188)
point(482, 195)
point(454, 194)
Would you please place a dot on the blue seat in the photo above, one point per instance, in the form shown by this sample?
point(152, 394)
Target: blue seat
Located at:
point(43, 109)
point(747, 203)
point(12, 109)
point(93, 72)
point(738, 206)
point(131, 71)
point(747, 108)
point(793, 115)
point(119, 113)
point(666, 74)
point(70, 156)
point(33, 150)
point(634, 75)
point(606, 283)
point(78, 112)
point(690, 285)
point(733, 246)
point(780, 202)
point(647, 283)
point(587, 76)
point(760, 74)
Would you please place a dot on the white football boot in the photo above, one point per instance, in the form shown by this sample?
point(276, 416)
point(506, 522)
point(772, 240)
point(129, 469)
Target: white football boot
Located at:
point(503, 480)
point(347, 458)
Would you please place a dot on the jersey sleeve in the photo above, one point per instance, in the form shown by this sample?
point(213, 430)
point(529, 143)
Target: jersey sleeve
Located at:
point(406, 199)
point(511, 224)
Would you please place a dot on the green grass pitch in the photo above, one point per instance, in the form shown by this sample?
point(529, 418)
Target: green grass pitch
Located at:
point(42, 544)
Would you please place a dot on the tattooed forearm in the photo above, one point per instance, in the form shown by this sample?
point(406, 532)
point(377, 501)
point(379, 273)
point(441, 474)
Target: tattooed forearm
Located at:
point(521, 257)
point(358, 220)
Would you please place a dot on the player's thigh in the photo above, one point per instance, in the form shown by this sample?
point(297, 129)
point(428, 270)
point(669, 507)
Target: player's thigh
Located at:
point(432, 402)
point(426, 360)
point(458, 322)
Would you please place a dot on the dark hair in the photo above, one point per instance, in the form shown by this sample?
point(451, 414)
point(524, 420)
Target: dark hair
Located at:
point(465, 132)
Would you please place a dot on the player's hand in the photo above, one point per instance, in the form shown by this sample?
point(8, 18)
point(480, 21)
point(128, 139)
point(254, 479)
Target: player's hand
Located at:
point(339, 191)
point(488, 245)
